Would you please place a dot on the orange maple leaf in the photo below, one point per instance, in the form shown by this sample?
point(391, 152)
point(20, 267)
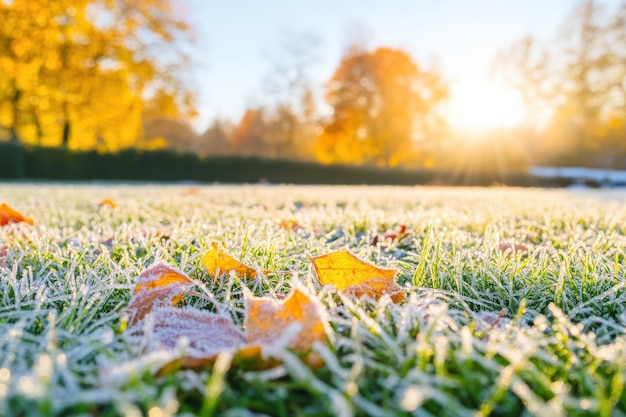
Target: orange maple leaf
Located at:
point(268, 320)
point(355, 277)
point(10, 215)
point(216, 261)
point(107, 202)
point(159, 285)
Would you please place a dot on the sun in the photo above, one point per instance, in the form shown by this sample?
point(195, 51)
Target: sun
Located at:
point(480, 105)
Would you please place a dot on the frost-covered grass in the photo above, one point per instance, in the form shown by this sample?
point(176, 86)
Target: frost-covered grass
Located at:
point(559, 348)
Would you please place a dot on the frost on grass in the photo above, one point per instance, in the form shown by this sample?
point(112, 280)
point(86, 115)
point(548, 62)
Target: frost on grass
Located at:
point(559, 349)
point(270, 326)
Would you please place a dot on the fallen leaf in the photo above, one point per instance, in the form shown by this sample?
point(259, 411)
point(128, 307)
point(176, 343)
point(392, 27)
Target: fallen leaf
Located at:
point(509, 248)
point(207, 333)
point(391, 236)
point(295, 322)
point(157, 286)
point(192, 191)
point(376, 288)
point(216, 261)
point(271, 326)
point(107, 202)
point(3, 255)
point(290, 224)
point(353, 276)
point(10, 215)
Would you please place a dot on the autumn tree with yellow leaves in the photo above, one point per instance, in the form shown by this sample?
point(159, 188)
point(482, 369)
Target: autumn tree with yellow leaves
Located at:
point(383, 105)
point(79, 73)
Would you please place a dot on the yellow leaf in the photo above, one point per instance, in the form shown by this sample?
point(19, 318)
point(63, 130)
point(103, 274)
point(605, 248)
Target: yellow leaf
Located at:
point(159, 285)
point(356, 277)
point(216, 261)
point(10, 215)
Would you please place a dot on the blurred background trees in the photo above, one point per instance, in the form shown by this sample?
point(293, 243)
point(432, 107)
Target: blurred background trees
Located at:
point(577, 85)
point(382, 102)
point(108, 75)
point(80, 73)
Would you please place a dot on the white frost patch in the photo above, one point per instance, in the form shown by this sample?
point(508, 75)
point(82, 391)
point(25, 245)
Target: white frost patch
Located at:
point(203, 334)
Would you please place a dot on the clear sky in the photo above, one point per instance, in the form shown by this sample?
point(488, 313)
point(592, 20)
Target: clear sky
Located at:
point(234, 38)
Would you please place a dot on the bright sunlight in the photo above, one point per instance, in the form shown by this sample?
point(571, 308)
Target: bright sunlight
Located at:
point(478, 105)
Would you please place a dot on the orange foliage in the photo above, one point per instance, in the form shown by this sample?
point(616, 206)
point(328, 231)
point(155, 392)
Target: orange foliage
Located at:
point(380, 99)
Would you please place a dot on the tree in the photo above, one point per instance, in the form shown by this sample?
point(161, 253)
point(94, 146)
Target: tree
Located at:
point(173, 134)
point(382, 102)
point(291, 112)
point(216, 140)
point(79, 72)
point(250, 135)
point(579, 80)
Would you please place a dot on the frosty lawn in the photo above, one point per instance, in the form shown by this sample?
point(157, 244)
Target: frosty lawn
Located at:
point(481, 332)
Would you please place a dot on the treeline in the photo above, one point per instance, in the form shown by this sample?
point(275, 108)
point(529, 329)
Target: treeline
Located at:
point(37, 163)
point(92, 75)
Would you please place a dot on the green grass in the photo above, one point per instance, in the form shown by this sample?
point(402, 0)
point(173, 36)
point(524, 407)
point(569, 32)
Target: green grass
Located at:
point(559, 350)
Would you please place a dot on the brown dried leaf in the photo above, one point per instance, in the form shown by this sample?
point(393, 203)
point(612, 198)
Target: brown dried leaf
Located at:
point(512, 249)
point(217, 259)
point(9, 215)
point(356, 277)
point(3, 255)
point(159, 285)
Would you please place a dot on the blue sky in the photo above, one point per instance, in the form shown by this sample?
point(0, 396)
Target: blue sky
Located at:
point(234, 38)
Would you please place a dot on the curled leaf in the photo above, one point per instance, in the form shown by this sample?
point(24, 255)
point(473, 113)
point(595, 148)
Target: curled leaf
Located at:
point(356, 277)
point(295, 322)
point(157, 286)
point(9, 215)
point(216, 261)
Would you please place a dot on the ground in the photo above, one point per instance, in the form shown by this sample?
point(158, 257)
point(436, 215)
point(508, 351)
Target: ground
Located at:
point(487, 327)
